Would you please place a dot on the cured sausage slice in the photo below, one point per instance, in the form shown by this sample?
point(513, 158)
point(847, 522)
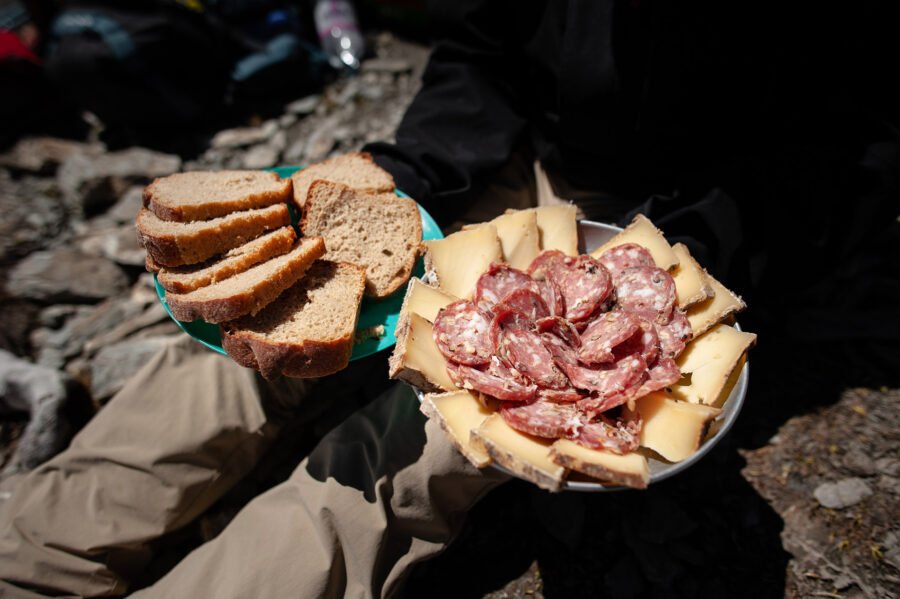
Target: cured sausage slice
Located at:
point(620, 435)
point(647, 291)
point(552, 295)
point(499, 281)
point(462, 334)
point(527, 302)
point(568, 395)
point(545, 263)
point(613, 385)
point(524, 351)
point(628, 255)
point(585, 285)
point(560, 327)
point(644, 342)
point(543, 419)
point(489, 383)
point(607, 331)
point(674, 335)
point(661, 375)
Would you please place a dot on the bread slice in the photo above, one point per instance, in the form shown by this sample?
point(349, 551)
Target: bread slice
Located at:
point(356, 170)
point(204, 195)
point(247, 292)
point(183, 279)
point(308, 331)
point(171, 243)
point(380, 232)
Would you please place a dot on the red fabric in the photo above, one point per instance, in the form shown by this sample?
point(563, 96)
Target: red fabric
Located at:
point(11, 46)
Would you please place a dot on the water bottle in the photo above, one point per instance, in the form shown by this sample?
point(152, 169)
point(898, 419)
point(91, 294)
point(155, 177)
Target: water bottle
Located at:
point(338, 32)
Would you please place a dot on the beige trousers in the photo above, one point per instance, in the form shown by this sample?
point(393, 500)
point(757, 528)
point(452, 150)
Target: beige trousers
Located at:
point(382, 491)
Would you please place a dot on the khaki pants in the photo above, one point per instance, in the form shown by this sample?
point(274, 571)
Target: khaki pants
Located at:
point(383, 490)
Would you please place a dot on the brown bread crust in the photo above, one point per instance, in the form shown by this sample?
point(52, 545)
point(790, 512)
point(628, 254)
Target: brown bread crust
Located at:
point(168, 210)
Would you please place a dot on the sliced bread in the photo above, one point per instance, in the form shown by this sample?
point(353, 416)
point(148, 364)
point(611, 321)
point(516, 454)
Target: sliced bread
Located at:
point(247, 292)
point(182, 279)
point(308, 331)
point(204, 195)
point(172, 243)
point(355, 169)
point(380, 232)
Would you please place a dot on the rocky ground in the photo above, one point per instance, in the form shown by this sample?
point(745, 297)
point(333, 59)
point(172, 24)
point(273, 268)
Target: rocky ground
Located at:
point(800, 501)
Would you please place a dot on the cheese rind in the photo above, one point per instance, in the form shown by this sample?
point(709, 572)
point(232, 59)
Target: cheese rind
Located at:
point(691, 281)
point(723, 303)
point(425, 300)
point(416, 359)
point(673, 429)
point(459, 259)
point(519, 237)
point(558, 227)
point(521, 454)
point(630, 469)
point(459, 413)
point(642, 232)
point(710, 359)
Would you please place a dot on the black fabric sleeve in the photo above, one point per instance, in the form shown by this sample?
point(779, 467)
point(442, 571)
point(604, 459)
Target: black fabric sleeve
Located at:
point(469, 113)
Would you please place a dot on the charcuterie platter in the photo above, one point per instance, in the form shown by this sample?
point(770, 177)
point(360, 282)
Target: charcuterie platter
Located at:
point(575, 355)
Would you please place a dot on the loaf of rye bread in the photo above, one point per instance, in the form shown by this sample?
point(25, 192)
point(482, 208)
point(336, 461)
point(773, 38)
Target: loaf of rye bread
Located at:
point(380, 232)
point(356, 170)
point(249, 291)
point(308, 331)
point(202, 195)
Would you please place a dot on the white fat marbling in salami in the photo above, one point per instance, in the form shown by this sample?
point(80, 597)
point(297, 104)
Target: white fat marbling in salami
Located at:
point(462, 334)
point(543, 419)
point(674, 335)
point(525, 301)
point(497, 381)
point(606, 332)
point(523, 349)
point(498, 282)
point(647, 291)
point(662, 374)
point(628, 255)
point(619, 435)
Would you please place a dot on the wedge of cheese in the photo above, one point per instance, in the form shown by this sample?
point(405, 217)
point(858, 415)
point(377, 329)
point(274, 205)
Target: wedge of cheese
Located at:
point(424, 300)
point(416, 359)
point(691, 281)
point(630, 470)
point(707, 313)
point(673, 429)
point(519, 237)
point(459, 259)
point(558, 227)
point(642, 232)
point(710, 359)
point(521, 454)
point(459, 413)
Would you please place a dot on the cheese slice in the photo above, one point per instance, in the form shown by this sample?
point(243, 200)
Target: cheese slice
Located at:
point(521, 454)
point(710, 359)
point(643, 232)
point(459, 259)
point(519, 237)
point(691, 281)
point(416, 359)
point(425, 300)
point(630, 469)
point(673, 429)
point(558, 227)
point(459, 413)
point(724, 302)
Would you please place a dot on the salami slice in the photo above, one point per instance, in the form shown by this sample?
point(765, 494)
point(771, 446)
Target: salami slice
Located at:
point(553, 296)
point(620, 435)
point(462, 334)
point(661, 375)
point(585, 285)
point(647, 291)
point(612, 385)
point(568, 395)
point(560, 327)
point(527, 302)
point(543, 419)
point(644, 342)
point(628, 255)
point(524, 351)
point(498, 282)
point(545, 263)
point(489, 383)
point(674, 335)
point(606, 332)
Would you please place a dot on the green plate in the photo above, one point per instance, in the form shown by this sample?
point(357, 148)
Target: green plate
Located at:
point(372, 312)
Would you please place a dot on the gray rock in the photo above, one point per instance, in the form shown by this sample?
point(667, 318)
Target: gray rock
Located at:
point(126, 208)
point(258, 157)
point(278, 142)
point(890, 484)
point(244, 136)
point(43, 155)
point(285, 121)
point(842, 494)
point(33, 216)
point(41, 392)
point(859, 462)
point(115, 364)
point(55, 316)
point(154, 314)
point(889, 466)
point(118, 244)
point(891, 548)
point(65, 275)
point(386, 65)
point(304, 106)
